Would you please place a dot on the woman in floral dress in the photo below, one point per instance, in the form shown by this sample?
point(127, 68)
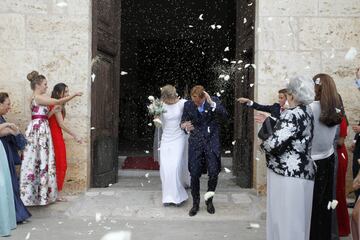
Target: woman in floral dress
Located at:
point(38, 172)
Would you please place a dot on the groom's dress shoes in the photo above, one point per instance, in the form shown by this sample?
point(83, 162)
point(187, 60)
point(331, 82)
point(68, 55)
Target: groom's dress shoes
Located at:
point(209, 206)
point(195, 208)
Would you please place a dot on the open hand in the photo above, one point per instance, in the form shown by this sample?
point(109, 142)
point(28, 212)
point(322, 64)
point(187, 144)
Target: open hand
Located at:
point(260, 117)
point(243, 100)
point(78, 94)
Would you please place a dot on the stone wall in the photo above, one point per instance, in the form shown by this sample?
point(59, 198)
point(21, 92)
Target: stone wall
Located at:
point(38, 35)
point(306, 37)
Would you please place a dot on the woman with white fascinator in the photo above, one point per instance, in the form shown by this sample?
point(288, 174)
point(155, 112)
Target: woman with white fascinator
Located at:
point(291, 171)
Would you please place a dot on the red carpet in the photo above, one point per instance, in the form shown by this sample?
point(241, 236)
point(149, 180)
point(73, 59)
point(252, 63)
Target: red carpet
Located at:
point(146, 163)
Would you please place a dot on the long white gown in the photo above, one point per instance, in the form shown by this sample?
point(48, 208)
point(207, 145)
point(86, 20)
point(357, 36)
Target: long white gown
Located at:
point(174, 172)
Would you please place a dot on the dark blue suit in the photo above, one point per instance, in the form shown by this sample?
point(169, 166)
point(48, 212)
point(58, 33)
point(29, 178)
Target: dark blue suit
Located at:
point(204, 143)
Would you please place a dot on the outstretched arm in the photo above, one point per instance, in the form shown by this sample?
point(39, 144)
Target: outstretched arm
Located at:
point(46, 101)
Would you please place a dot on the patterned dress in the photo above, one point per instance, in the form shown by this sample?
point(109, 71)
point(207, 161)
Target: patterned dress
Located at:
point(38, 172)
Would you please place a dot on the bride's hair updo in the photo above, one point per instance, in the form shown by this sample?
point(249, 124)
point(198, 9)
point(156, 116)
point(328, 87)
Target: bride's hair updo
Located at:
point(35, 79)
point(168, 92)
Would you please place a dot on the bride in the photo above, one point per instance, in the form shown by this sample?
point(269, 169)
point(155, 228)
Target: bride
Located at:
point(174, 172)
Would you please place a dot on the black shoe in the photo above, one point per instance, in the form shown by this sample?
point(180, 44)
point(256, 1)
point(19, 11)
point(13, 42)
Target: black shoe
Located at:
point(210, 206)
point(351, 205)
point(194, 210)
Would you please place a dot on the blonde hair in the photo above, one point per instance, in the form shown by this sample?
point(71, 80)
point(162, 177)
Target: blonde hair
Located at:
point(35, 79)
point(168, 92)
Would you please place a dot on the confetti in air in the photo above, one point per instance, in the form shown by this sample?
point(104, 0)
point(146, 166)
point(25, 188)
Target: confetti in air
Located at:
point(226, 77)
point(149, 124)
point(251, 84)
point(222, 76)
point(218, 26)
point(250, 4)
point(226, 49)
point(213, 26)
point(208, 195)
point(222, 91)
point(343, 155)
point(351, 54)
point(258, 29)
point(218, 94)
point(233, 142)
point(227, 152)
point(201, 17)
point(92, 128)
point(191, 42)
point(254, 225)
point(233, 62)
point(247, 65)
point(93, 77)
point(123, 73)
point(257, 159)
point(254, 66)
point(225, 59)
point(191, 26)
point(245, 20)
point(202, 53)
point(147, 175)
point(227, 170)
point(337, 110)
point(98, 217)
point(146, 151)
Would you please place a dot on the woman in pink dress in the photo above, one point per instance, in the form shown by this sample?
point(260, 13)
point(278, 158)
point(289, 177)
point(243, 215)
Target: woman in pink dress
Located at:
point(38, 172)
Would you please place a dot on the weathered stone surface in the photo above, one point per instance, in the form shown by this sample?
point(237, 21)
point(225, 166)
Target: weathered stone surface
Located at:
point(288, 8)
point(325, 33)
point(241, 198)
point(339, 8)
point(12, 31)
point(74, 8)
point(28, 6)
point(279, 33)
point(57, 33)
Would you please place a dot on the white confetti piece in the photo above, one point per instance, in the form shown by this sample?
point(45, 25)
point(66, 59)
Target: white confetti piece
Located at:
point(317, 81)
point(208, 129)
point(202, 53)
point(27, 236)
point(225, 59)
point(92, 128)
point(146, 151)
point(142, 184)
point(60, 223)
point(222, 76)
point(93, 77)
point(226, 77)
point(222, 91)
point(218, 26)
point(233, 62)
point(123, 73)
point(201, 17)
point(218, 94)
point(334, 204)
point(227, 170)
point(254, 66)
point(337, 110)
point(239, 68)
point(119, 235)
point(213, 26)
point(245, 20)
point(257, 159)
point(110, 184)
point(149, 181)
point(209, 195)
point(227, 152)
point(240, 61)
point(33, 229)
point(247, 65)
point(351, 54)
point(226, 49)
point(98, 217)
point(258, 29)
point(343, 155)
point(150, 124)
point(147, 175)
point(191, 42)
point(151, 98)
point(251, 84)
point(191, 26)
point(233, 142)
point(254, 225)
point(250, 4)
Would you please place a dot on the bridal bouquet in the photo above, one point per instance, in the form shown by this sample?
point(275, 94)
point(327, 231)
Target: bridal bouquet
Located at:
point(156, 108)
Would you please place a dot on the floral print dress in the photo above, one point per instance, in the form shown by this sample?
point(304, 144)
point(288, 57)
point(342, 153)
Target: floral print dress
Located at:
point(38, 173)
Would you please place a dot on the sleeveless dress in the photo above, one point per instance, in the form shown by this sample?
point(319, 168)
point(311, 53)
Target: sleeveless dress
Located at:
point(13, 144)
point(38, 172)
point(59, 150)
point(174, 172)
point(7, 206)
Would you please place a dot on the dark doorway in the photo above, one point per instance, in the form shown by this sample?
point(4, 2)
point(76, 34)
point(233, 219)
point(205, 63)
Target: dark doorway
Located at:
point(165, 42)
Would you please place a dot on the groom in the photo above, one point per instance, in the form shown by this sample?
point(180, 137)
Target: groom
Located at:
point(200, 120)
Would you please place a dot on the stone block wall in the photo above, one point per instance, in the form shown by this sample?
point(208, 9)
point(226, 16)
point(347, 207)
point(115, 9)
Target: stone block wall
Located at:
point(39, 35)
point(305, 38)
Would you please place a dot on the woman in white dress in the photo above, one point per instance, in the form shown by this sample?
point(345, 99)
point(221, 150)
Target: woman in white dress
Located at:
point(174, 172)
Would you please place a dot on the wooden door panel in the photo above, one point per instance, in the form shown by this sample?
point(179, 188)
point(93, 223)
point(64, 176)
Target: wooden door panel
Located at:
point(105, 92)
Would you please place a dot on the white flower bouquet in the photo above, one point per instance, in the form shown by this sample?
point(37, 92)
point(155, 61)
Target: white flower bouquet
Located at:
point(156, 108)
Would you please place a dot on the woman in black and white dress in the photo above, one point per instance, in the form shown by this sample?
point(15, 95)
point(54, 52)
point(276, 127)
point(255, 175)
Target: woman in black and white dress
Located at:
point(291, 171)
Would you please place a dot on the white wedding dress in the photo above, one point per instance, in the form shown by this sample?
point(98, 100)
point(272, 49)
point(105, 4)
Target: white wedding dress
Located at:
point(174, 172)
